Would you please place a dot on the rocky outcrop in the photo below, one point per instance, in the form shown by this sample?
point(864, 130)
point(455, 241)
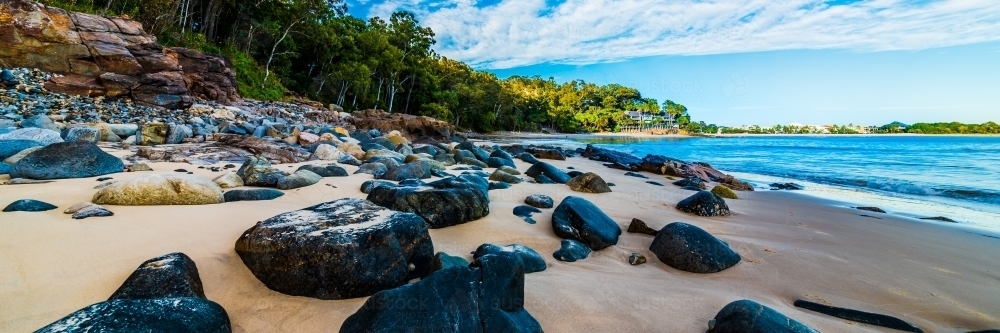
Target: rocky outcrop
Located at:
point(109, 56)
point(409, 126)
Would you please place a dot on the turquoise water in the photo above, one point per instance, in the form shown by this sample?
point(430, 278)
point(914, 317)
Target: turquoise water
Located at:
point(914, 175)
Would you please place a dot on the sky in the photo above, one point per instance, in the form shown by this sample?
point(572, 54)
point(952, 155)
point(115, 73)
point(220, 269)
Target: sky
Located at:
point(740, 62)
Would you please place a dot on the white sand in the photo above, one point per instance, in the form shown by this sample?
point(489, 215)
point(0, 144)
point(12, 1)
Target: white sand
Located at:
point(938, 276)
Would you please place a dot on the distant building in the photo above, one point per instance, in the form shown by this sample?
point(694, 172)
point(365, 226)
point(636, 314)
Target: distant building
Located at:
point(647, 118)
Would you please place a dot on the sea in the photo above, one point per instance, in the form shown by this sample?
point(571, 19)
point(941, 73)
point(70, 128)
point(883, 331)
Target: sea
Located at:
point(917, 176)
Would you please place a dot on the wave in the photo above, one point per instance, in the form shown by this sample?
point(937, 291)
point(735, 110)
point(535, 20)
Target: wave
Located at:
point(902, 187)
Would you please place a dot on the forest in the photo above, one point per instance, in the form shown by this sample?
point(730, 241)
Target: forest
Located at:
point(281, 49)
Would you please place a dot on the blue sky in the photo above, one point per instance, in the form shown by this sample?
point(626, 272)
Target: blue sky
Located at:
point(735, 62)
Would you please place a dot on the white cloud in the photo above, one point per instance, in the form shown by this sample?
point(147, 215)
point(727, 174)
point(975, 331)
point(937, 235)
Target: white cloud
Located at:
point(523, 32)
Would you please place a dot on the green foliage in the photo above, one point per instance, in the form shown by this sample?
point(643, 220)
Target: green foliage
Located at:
point(954, 128)
point(250, 76)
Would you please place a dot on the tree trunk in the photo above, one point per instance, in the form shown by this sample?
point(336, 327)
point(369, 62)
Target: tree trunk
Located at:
point(408, 94)
point(267, 68)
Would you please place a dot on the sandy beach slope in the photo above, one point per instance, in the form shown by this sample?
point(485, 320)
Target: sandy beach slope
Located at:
point(938, 276)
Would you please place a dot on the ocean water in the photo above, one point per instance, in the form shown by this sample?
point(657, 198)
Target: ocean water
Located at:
point(918, 176)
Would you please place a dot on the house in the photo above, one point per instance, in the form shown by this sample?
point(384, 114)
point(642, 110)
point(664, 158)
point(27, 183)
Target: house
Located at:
point(647, 118)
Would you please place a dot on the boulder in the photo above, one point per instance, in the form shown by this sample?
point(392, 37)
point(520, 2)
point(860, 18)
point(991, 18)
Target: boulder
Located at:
point(461, 154)
point(169, 276)
point(444, 261)
point(549, 171)
point(696, 182)
point(528, 158)
point(10, 148)
point(479, 153)
point(87, 209)
point(531, 260)
point(29, 205)
point(640, 227)
point(408, 126)
point(724, 191)
point(499, 186)
point(40, 135)
point(259, 194)
point(746, 316)
point(735, 184)
point(549, 154)
point(571, 250)
point(188, 315)
point(505, 177)
point(499, 153)
point(178, 133)
point(349, 160)
point(300, 178)
point(442, 203)
point(83, 134)
point(578, 219)
point(368, 185)
point(509, 170)
point(228, 180)
point(396, 138)
point(704, 203)
point(329, 170)
point(496, 162)
point(39, 121)
point(374, 169)
point(337, 250)
point(20, 155)
point(152, 134)
point(257, 171)
point(140, 167)
point(475, 162)
point(373, 153)
point(588, 183)
point(328, 153)
point(67, 160)
point(691, 249)
point(445, 159)
point(385, 143)
point(539, 201)
point(406, 171)
point(160, 189)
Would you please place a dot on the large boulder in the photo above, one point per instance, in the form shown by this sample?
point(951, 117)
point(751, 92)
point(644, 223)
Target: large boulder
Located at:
point(168, 276)
point(160, 189)
point(588, 183)
point(443, 203)
point(374, 169)
point(746, 316)
point(40, 135)
point(67, 160)
point(257, 171)
point(549, 171)
point(691, 249)
point(578, 219)
point(487, 296)
point(20, 155)
point(532, 261)
point(84, 134)
point(479, 153)
point(336, 250)
point(407, 171)
point(704, 203)
point(39, 121)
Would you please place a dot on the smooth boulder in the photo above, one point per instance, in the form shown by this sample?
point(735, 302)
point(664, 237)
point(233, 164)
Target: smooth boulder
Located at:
point(257, 171)
point(443, 203)
point(571, 250)
point(746, 316)
point(704, 203)
point(691, 249)
point(549, 171)
point(578, 219)
point(329, 170)
point(67, 160)
point(10, 148)
point(160, 189)
point(531, 260)
point(337, 250)
point(259, 194)
point(539, 201)
point(300, 178)
point(588, 183)
point(29, 205)
point(40, 135)
point(168, 276)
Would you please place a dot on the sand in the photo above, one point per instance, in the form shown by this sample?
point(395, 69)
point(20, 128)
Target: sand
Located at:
point(941, 277)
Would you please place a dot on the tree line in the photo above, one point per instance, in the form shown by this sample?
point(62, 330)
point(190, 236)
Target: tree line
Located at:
point(281, 49)
point(893, 128)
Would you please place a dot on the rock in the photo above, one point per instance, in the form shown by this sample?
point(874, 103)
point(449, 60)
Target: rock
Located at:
point(262, 148)
point(640, 227)
point(525, 212)
point(329, 170)
point(588, 183)
point(496, 162)
point(573, 174)
point(178, 133)
point(352, 149)
point(123, 130)
point(528, 158)
point(442, 203)
point(509, 170)
point(488, 296)
point(409, 126)
point(461, 154)
point(4, 168)
point(637, 175)
point(300, 178)
point(160, 189)
point(747, 316)
point(406, 171)
point(539, 201)
point(571, 250)
point(499, 186)
point(533, 262)
point(83, 134)
point(151, 134)
point(374, 153)
point(7, 78)
point(787, 186)
point(444, 261)
point(170, 276)
point(368, 185)
point(257, 171)
point(636, 259)
point(654, 183)
point(549, 171)
point(696, 182)
point(479, 153)
point(375, 133)
point(859, 316)
point(39, 121)
point(374, 169)
point(505, 177)
point(384, 143)
point(42, 136)
point(704, 203)
point(138, 167)
point(396, 138)
point(67, 160)
point(328, 153)
point(90, 210)
point(337, 250)
point(499, 153)
point(691, 249)
point(228, 180)
point(29, 205)
point(549, 154)
point(22, 181)
point(475, 162)
point(306, 139)
point(735, 184)
point(349, 160)
point(260, 194)
point(724, 191)
point(871, 209)
point(578, 219)
point(10, 148)
point(13, 159)
point(445, 159)
point(146, 315)
point(939, 218)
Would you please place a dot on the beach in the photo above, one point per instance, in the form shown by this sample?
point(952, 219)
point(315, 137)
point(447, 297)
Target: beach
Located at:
point(938, 276)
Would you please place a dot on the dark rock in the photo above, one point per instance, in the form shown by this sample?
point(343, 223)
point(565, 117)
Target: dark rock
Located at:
point(578, 219)
point(169, 276)
point(4, 168)
point(260, 194)
point(571, 250)
point(388, 145)
point(618, 160)
point(8, 78)
point(96, 211)
point(636, 259)
point(549, 154)
point(412, 182)
point(461, 154)
point(426, 149)
point(528, 158)
point(541, 179)
point(525, 212)
point(374, 133)
point(499, 153)
point(539, 201)
point(654, 183)
point(747, 316)
point(298, 179)
point(474, 162)
point(181, 315)
point(496, 162)
point(29, 205)
point(446, 159)
point(374, 169)
point(588, 183)
point(444, 261)
point(482, 174)
point(349, 160)
point(735, 184)
point(10, 148)
point(180, 170)
point(871, 209)
point(859, 316)
point(637, 175)
point(499, 186)
point(936, 218)
point(787, 186)
point(549, 171)
point(692, 188)
point(39, 121)
point(368, 185)
point(704, 203)
point(531, 260)
point(451, 201)
point(372, 146)
point(574, 174)
point(257, 171)
point(691, 249)
point(329, 170)
point(696, 182)
point(479, 153)
point(640, 227)
point(505, 177)
point(104, 179)
point(67, 160)
point(336, 250)
point(409, 170)
point(501, 294)
point(389, 162)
